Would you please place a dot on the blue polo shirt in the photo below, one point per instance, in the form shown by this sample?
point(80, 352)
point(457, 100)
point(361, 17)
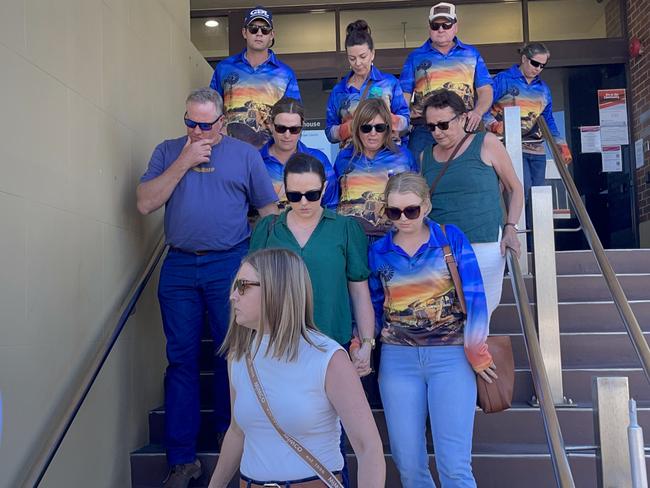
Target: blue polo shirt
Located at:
point(461, 70)
point(207, 209)
point(250, 93)
point(344, 99)
point(276, 172)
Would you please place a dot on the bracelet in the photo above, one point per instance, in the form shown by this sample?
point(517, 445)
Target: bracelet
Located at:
point(514, 226)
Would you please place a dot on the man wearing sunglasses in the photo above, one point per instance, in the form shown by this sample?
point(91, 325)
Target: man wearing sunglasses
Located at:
point(206, 182)
point(443, 61)
point(252, 81)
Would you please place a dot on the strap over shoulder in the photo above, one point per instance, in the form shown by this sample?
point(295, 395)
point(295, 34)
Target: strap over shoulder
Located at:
point(453, 270)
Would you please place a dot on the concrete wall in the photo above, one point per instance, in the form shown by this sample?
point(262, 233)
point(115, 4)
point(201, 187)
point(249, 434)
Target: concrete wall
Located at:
point(88, 88)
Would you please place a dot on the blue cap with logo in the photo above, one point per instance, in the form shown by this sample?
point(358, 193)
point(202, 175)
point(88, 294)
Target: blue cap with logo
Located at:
point(260, 13)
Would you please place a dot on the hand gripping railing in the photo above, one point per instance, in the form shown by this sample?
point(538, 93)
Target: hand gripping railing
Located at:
point(629, 320)
point(37, 467)
point(561, 468)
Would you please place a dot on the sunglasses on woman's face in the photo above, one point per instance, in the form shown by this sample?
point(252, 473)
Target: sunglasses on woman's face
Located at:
point(440, 125)
point(281, 129)
point(411, 212)
point(242, 285)
point(367, 128)
point(437, 25)
point(204, 126)
point(536, 64)
point(254, 28)
point(311, 195)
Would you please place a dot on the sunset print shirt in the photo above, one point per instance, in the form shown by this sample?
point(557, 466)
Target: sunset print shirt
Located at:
point(415, 300)
point(534, 100)
point(249, 93)
point(276, 171)
point(362, 182)
point(461, 70)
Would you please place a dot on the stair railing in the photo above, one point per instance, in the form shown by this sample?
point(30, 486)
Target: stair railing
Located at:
point(37, 467)
point(629, 320)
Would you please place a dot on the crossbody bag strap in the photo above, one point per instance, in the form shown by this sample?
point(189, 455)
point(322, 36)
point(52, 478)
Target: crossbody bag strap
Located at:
point(444, 168)
point(323, 473)
point(453, 271)
point(366, 90)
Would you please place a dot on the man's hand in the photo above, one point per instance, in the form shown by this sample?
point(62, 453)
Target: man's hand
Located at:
point(566, 153)
point(195, 153)
point(473, 121)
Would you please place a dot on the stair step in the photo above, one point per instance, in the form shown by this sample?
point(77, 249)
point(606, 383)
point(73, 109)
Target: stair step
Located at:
point(584, 262)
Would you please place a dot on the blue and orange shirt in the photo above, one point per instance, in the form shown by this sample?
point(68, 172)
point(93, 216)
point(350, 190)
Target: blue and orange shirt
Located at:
point(362, 182)
point(461, 70)
point(276, 171)
point(534, 100)
point(249, 93)
point(415, 300)
point(344, 99)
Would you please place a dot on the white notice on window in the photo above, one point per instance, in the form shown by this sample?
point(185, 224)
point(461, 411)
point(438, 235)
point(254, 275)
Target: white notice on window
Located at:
point(590, 139)
point(612, 159)
point(638, 153)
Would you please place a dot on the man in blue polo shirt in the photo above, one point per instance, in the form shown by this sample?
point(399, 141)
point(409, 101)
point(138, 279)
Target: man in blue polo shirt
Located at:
point(252, 81)
point(444, 62)
point(206, 182)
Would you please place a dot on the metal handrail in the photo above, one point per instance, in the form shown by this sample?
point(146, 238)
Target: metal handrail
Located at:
point(37, 467)
point(561, 467)
point(629, 320)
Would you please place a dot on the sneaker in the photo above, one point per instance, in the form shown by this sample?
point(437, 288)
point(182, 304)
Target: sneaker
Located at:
point(180, 475)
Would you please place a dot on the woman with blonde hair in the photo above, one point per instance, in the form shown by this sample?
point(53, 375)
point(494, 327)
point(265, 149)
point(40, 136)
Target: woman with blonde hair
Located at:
point(433, 343)
point(291, 386)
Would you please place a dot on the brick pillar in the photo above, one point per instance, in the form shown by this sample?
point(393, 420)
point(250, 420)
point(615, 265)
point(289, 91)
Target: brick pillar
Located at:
point(638, 20)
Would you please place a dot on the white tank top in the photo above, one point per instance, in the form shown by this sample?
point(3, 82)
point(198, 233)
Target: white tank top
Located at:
point(296, 394)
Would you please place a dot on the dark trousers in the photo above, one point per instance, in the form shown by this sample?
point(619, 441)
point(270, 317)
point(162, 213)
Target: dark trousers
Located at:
point(419, 139)
point(534, 171)
point(190, 286)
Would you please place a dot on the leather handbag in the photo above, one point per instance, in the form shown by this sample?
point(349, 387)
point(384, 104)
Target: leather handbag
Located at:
point(496, 396)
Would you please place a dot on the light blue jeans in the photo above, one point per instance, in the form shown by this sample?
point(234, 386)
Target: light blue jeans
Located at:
point(438, 380)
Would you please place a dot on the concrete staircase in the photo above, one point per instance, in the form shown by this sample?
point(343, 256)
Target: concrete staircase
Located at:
point(510, 447)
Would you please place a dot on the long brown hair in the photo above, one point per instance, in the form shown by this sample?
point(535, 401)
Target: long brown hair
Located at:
point(367, 110)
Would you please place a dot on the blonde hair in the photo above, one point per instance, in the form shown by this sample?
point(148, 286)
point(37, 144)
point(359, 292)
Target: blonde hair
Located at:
point(287, 307)
point(408, 182)
point(367, 110)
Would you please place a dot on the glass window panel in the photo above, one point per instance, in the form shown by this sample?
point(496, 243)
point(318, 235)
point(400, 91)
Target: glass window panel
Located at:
point(487, 23)
point(304, 33)
point(555, 20)
point(210, 41)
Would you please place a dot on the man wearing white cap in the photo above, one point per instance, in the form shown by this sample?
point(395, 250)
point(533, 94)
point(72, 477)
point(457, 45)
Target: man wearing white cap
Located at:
point(444, 62)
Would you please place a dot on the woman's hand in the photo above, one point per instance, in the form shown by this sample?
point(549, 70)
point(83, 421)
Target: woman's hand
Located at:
point(361, 360)
point(488, 374)
point(510, 239)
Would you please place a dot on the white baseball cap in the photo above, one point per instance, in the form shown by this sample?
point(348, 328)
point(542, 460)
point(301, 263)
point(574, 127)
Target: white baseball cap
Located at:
point(443, 10)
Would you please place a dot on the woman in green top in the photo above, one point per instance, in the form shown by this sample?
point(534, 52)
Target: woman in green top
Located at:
point(335, 250)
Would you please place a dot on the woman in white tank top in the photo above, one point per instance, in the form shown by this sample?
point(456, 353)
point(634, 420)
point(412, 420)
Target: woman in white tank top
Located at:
point(308, 380)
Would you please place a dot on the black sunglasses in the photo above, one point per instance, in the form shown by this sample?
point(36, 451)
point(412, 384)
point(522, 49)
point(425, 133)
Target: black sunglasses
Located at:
point(242, 285)
point(367, 128)
point(440, 125)
point(296, 196)
point(411, 212)
point(254, 28)
point(437, 25)
point(204, 126)
point(537, 64)
point(281, 129)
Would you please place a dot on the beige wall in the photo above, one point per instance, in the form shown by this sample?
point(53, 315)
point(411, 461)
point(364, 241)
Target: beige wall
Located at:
point(644, 234)
point(88, 87)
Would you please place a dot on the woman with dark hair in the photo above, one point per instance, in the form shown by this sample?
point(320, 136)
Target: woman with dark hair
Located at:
point(364, 81)
point(363, 168)
point(520, 85)
point(466, 191)
point(286, 120)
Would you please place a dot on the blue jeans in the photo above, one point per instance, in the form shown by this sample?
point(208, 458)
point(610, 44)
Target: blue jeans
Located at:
point(438, 380)
point(189, 286)
point(419, 139)
point(534, 171)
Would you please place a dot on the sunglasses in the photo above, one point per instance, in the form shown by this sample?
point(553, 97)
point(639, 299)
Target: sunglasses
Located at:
point(253, 29)
point(435, 26)
point(411, 212)
point(242, 285)
point(379, 128)
point(296, 196)
point(281, 129)
point(536, 64)
point(440, 125)
point(204, 126)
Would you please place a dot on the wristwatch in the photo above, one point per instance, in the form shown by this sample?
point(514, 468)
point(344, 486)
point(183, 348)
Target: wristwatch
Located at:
point(514, 226)
point(369, 340)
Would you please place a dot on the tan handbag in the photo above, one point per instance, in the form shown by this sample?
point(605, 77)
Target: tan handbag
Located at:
point(496, 396)
point(330, 480)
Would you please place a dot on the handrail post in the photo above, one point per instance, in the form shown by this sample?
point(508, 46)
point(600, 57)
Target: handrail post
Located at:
point(512, 132)
point(610, 397)
point(548, 320)
point(637, 450)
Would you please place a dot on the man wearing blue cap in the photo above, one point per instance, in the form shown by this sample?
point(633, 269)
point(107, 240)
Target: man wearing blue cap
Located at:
point(252, 81)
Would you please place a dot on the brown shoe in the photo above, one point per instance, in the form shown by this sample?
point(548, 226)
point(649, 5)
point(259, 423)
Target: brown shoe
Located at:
point(180, 475)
